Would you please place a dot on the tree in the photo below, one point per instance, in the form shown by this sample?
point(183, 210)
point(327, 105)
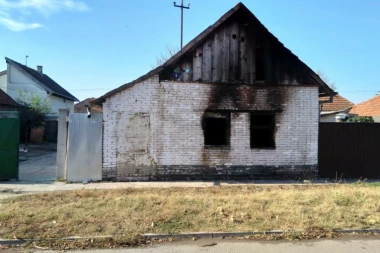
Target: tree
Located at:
point(327, 80)
point(166, 55)
point(33, 110)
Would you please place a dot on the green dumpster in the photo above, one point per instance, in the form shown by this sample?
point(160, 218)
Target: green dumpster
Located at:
point(9, 144)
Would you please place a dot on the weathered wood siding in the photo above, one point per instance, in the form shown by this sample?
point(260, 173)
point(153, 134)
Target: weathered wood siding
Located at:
point(228, 56)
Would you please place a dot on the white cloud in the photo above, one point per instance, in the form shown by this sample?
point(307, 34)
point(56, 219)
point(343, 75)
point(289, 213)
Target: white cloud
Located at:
point(45, 7)
point(27, 7)
point(18, 26)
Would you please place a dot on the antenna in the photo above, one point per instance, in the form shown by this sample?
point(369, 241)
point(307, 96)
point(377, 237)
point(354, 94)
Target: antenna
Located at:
point(182, 7)
point(26, 60)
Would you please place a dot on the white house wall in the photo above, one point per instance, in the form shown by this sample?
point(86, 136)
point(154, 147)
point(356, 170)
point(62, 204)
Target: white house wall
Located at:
point(3, 82)
point(328, 118)
point(17, 80)
point(171, 141)
point(56, 103)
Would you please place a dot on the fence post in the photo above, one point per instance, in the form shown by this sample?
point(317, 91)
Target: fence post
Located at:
point(62, 143)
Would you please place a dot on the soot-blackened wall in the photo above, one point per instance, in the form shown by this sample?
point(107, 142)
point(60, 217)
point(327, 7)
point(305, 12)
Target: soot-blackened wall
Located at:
point(153, 130)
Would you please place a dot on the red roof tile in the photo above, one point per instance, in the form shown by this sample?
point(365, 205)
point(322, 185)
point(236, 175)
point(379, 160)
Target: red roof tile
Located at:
point(338, 103)
point(370, 107)
point(6, 100)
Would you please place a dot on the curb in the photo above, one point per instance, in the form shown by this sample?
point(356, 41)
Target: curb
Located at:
point(19, 242)
point(242, 234)
point(12, 242)
point(212, 234)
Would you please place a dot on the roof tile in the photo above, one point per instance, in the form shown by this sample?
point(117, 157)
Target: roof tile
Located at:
point(338, 103)
point(7, 100)
point(370, 107)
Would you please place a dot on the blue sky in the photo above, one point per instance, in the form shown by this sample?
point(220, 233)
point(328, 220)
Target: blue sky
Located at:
point(93, 46)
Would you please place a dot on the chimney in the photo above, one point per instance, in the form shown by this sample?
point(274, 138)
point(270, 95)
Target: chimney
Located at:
point(39, 69)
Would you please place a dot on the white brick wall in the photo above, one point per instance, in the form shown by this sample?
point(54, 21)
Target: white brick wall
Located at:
point(176, 136)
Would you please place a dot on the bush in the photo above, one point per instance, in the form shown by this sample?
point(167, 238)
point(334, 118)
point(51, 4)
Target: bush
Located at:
point(361, 119)
point(33, 110)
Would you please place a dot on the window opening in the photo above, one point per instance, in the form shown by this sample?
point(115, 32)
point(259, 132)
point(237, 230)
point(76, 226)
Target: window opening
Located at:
point(216, 128)
point(262, 130)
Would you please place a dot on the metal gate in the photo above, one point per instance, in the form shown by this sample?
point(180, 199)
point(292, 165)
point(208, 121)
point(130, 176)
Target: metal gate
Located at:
point(84, 148)
point(9, 144)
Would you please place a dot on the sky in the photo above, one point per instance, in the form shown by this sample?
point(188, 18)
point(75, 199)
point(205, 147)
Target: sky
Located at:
point(93, 46)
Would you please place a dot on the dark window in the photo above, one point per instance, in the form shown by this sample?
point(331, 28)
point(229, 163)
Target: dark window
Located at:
point(216, 128)
point(262, 131)
point(260, 61)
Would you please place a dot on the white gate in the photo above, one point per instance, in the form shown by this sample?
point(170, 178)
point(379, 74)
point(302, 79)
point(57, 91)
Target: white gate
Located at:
point(84, 148)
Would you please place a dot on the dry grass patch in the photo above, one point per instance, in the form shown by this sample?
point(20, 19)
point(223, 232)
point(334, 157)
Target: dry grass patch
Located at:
point(129, 212)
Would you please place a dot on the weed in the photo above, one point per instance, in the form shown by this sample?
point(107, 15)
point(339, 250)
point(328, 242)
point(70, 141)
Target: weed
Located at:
point(173, 210)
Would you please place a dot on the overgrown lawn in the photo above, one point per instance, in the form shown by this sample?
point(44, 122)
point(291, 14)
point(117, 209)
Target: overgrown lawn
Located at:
point(127, 212)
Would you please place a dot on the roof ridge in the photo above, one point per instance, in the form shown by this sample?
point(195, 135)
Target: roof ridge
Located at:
point(44, 80)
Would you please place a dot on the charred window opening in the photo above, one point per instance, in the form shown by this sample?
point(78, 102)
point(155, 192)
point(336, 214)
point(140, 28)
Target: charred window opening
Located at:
point(262, 131)
point(217, 128)
point(260, 61)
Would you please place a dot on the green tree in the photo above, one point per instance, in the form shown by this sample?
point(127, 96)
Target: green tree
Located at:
point(33, 109)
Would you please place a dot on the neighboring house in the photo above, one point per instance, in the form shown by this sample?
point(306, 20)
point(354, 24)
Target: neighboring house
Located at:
point(233, 103)
point(3, 79)
point(20, 77)
point(368, 108)
point(7, 103)
point(81, 107)
point(331, 111)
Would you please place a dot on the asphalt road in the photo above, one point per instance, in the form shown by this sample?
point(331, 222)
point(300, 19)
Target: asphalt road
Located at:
point(340, 245)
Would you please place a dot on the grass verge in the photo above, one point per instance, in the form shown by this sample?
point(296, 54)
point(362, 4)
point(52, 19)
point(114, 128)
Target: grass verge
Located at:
point(126, 213)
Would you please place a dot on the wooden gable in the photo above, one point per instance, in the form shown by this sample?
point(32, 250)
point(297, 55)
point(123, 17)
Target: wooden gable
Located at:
point(238, 49)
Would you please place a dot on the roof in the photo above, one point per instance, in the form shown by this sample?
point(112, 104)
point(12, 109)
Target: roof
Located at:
point(3, 72)
point(324, 88)
point(370, 107)
point(49, 84)
point(81, 106)
point(338, 104)
point(7, 100)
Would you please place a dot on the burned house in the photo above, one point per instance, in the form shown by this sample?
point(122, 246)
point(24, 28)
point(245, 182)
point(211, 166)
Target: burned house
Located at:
point(233, 103)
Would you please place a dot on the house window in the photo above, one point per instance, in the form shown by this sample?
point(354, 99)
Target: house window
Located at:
point(260, 61)
point(217, 128)
point(262, 131)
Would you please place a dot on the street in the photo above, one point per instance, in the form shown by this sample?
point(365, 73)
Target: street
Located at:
point(346, 244)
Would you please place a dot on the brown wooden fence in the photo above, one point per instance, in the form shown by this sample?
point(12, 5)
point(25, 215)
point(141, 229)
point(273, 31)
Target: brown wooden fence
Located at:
point(351, 150)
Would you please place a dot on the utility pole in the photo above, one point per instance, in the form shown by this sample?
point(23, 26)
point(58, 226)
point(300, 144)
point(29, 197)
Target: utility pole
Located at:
point(182, 7)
